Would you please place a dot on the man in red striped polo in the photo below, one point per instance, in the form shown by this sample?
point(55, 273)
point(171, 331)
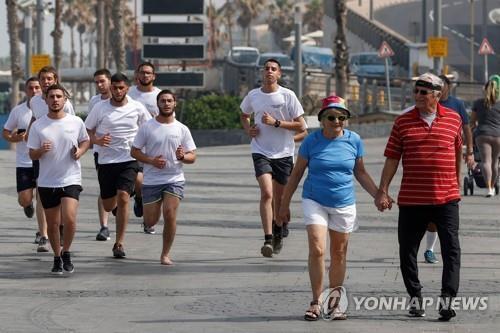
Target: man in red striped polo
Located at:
point(428, 141)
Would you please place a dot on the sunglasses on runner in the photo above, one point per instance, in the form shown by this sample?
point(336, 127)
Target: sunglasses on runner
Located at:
point(421, 92)
point(332, 118)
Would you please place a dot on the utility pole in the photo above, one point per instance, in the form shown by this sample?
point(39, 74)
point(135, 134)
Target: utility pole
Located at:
point(39, 26)
point(424, 21)
point(298, 53)
point(28, 36)
point(471, 40)
point(438, 17)
point(485, 35)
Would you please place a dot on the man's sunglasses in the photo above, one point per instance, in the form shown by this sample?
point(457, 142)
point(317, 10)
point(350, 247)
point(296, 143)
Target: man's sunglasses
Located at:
point(421, 92)
point(332, 118)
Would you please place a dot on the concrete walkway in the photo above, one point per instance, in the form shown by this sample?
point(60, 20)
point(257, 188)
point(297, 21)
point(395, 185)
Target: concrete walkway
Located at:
point(220, 282)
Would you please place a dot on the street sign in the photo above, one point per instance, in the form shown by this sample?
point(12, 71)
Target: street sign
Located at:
point(173, 29)
point(38, 61)
point(172, 7)
point(385, 50)
point(180, 79)
point(174, 51)
point(485, 48)
point(437, 47)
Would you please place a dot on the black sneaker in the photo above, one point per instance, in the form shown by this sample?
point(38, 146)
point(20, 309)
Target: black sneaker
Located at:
point(67, 264)
point(138, 207)
point(267, 249)
point(277, 239)
point(29, 211)
point(57, 269)
point(118, 251)
point(416, 310)
point(285, 230)
point(446, 312)
point(43, 245)
point(37, 238)
point(103, 234)
point(114, 211)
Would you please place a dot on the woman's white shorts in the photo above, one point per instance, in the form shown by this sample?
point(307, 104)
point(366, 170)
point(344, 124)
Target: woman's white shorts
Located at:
point(338, 219)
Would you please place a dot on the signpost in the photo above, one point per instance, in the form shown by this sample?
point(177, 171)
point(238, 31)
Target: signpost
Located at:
point(385, 52)
point(437, 47)
point(38, 61)
point(485, 50)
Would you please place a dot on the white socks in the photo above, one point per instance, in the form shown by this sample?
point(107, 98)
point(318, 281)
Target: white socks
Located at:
point(431, 240)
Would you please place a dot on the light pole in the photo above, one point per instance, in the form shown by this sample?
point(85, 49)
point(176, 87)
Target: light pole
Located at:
point(471, 40)
point(298, 52)
point(28, 36)
point(438, 16)
point(39, 26)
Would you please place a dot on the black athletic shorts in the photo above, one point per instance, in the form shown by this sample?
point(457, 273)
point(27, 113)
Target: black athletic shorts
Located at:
point(279, 168)
point(51, 196)
point(25, 179)
point(117, 176)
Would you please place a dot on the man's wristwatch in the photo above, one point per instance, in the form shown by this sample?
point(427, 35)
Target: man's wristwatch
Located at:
point(277, 123)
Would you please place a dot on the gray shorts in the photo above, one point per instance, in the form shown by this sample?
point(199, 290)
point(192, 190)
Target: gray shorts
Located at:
point(154, 193)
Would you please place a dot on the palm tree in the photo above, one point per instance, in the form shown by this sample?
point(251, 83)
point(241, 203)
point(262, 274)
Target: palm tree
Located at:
point(249, 10)
point(100, 40)
point(313, 16)
point(225, 14)
point(340, 45)
point(117, 34)
point(70, 18)
point(15, 53)
point(57, 33)
point(281, 21)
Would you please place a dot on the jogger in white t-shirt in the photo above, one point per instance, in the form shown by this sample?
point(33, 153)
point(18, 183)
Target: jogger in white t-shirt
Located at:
point(58, 140)
point(163, 144)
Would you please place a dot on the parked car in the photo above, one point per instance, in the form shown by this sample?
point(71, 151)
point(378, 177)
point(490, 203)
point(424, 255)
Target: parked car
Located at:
point(287, 67)
point(369, 65)
point(243, 55)
point(316, 57)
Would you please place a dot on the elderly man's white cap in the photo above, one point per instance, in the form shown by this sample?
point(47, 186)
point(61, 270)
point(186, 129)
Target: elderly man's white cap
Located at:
point(430, 81)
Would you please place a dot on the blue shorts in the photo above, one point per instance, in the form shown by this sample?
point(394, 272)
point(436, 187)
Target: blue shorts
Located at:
point(154, 193)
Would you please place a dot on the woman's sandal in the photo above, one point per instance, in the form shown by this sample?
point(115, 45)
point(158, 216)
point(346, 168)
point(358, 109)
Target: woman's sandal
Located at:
point(313, 313)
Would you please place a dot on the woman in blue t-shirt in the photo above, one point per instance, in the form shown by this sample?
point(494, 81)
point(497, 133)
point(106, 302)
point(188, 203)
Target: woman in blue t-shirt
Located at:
point(333, 156)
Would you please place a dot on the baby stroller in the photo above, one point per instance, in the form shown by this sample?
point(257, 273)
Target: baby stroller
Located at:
point(475, 175)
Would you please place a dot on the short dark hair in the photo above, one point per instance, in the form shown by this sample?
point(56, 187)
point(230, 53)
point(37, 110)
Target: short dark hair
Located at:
point(164, 92)
point(103, 71)
point(57, 86)
point(273, 60)
point(146, 63)
point(48, 69)
point(445, 79)
point(31, 79)
point(120, 77)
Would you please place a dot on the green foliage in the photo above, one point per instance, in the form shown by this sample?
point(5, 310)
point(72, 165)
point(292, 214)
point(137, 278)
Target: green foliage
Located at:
point(212, 112)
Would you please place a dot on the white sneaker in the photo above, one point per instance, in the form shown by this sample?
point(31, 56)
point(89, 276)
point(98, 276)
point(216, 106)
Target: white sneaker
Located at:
point(491, 193)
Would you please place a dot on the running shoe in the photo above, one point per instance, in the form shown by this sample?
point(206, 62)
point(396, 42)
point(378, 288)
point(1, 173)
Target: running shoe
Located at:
point(118, 251)
point(29, 211)
point(267, 249)
point(43, 245)
point(57, 268)
point(285, 230)
point(67, 264)
point(138, 207)
point(103, 234)
point(429, 257)
point(416, 310)
point(148, 230)
point(37, 238)
point(277, 239)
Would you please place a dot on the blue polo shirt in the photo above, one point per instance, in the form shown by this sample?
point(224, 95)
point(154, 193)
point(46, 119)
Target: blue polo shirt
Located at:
point(330, 178)
point(458, 106)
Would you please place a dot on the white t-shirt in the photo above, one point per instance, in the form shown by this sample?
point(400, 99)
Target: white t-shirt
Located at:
point(154, 139)
point(20, 117)
point(282, 104)
point(122, 123)
point(40, 107)
point(93, 101)
point(57, 166)
point(148, 99)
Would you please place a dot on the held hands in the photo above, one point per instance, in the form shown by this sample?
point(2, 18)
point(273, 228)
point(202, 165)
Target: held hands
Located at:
point(104, 140)
point(159, 162)
point(383, 201)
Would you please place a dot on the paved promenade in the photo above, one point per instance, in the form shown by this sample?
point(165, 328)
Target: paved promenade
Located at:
point(220, 282)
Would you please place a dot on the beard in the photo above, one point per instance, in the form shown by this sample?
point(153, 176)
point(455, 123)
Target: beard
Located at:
point(145, 83)
point(166, 113)
point(117, 99)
